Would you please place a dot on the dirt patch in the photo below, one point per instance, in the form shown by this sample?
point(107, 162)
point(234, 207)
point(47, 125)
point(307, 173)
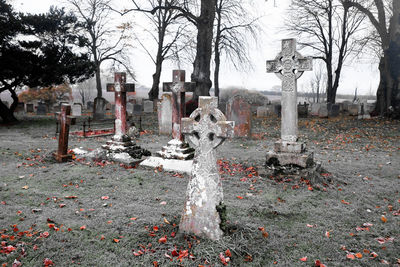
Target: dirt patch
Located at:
point(106, 214)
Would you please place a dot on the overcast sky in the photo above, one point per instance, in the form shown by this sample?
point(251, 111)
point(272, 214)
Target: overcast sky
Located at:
point(364, 76)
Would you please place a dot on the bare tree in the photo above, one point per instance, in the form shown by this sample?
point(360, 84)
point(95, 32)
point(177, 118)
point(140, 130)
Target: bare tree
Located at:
point(388, 30)
point(318, 85)
point(204, 23)
point(234, 26)
point(168, 31)
point(332, 30)
point(85, 90)
point(107, 41)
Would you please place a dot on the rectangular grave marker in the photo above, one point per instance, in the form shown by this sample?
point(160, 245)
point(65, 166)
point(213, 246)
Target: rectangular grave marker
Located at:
point(65, 121)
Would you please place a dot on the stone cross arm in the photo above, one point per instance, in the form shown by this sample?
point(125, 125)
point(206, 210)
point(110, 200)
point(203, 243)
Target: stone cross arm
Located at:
point(120, 84)
point(176, 87)
point(69, 120)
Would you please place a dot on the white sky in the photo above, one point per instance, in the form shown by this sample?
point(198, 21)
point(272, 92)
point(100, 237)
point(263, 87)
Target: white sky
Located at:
point(364, 76)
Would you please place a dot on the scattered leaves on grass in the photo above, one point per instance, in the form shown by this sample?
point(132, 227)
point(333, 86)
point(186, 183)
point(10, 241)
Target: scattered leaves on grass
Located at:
point(318, 263)
point(163, 240)
point(47, 262)
point(224, 260)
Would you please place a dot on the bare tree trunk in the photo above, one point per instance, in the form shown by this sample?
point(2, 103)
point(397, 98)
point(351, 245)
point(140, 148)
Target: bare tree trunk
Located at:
point(98, 81)
point(201, 65)
point(154, 91)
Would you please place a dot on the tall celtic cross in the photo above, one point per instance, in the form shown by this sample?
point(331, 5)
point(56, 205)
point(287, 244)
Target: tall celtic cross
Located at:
point(206, 128)
point(66, 120)
point(120, 87)
point(289, 65)
point(178, 87)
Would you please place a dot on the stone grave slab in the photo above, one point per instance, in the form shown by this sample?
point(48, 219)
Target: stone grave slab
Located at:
point(352, 109)
point(65, 120)
point(239, 111)
point(148, 106)
point(137, 109)
point(323, 111)
point(77, 110)
point(265, 111)
point(165, 114)
point(315, 109)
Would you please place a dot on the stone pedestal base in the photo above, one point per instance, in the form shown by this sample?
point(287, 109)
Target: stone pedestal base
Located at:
point(122, 149)
point(176, 149)
point(290, 153)
point(303, 160)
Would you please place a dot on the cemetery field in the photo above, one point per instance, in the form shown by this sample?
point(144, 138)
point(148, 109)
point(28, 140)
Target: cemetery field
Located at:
point(103, 214)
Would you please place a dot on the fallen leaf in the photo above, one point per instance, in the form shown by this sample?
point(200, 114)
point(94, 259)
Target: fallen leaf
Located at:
point(62, 205)
point(44, 234)
point(350, 256)
point(303, 259)
point(16, 263)
point(48, 262)
point(223, 259)
point(155, 264)
point(163, 203)
point(133, 219)
point(265, 234)
point(358, 255)
point(71, 197)
point(373, 255)
point(166, 221)
point(383, 219)
point(83, 227)
point(116, 240)
point(102, 237)
point(239, 197)
point(105, 197)
point(327, 234)
point(228, 253)
point(345, 202)
point(25, 187)
point(162, 240)
point(155, 228)
point(384, 262)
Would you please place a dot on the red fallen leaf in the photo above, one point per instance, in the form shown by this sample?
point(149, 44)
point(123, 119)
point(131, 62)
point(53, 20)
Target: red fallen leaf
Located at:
point(155, 264)
point(133, 219)
point(105, 197)
point(48, 262)
point(318, 263)
point(350, 256)
point(116, 240)
point(373, 255)
point(102, 237)
point(383, 219)
point(183, 254)
point(62, 205)
point(174, 253)
point(35, 247)
point(51, 225)
point(310, 188)
point(303, 259)
point(83, 227)
point(261, 229)
point(136, 254)
point(310, 225)
point(168, 256)
point(228, 253)
point(162, 240)
point(155, 228)
point(265, 234)
point(173, 234)
point(239, 197)
point(358, 255)
point(3, 203)
point(345, 202)
point(70, 197)
point(223, 259)
point(327, 234)
point(396, 213)
point(69, 229)
point(44, 234)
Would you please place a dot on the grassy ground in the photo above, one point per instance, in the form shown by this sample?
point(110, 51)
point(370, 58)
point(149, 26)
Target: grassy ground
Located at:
point(87, 214)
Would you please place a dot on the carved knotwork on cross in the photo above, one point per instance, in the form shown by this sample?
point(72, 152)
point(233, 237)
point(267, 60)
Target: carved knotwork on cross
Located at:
point(289, 65)
point(206, 128)
point(66, 120)
point(178, 87)
point(120, 87)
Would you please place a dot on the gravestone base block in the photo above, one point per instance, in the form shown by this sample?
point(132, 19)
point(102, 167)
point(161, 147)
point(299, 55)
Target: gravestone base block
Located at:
point(289, 147)
point(303, 160)
point(122, 149)
point(176, 149)
point(169, 165)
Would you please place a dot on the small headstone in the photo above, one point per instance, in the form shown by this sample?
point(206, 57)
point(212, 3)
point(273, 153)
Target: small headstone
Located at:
point(148, 106)
point(239, 111)
point(77, 110)
point(333, 110)
point(30, 108)
point(352, 109)
point(302, 110)
point(129, 108)
point(99, 108)
point(66, 120)
point(20, 107)
point(323, 111)
point(165, 113)
point(265, 111)
point(137, 109)
point(41, 109)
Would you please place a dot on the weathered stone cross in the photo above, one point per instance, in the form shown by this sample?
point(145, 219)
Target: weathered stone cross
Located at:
point(206, 128)
point(289, 65)
point(120, 87)
point(65, 121)
point(178, 87)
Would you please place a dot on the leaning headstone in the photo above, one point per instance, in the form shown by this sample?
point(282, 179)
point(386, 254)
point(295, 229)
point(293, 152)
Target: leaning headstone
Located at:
point(206, 128)
point(289, 65)
point(315, 109)
point(148, 106)
point(65, 121)
point(239, 111)
point(165, 114)
point(77, 110)
point(41, 109)
point(265, 111)
point(30, 108)
point(323, 111)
